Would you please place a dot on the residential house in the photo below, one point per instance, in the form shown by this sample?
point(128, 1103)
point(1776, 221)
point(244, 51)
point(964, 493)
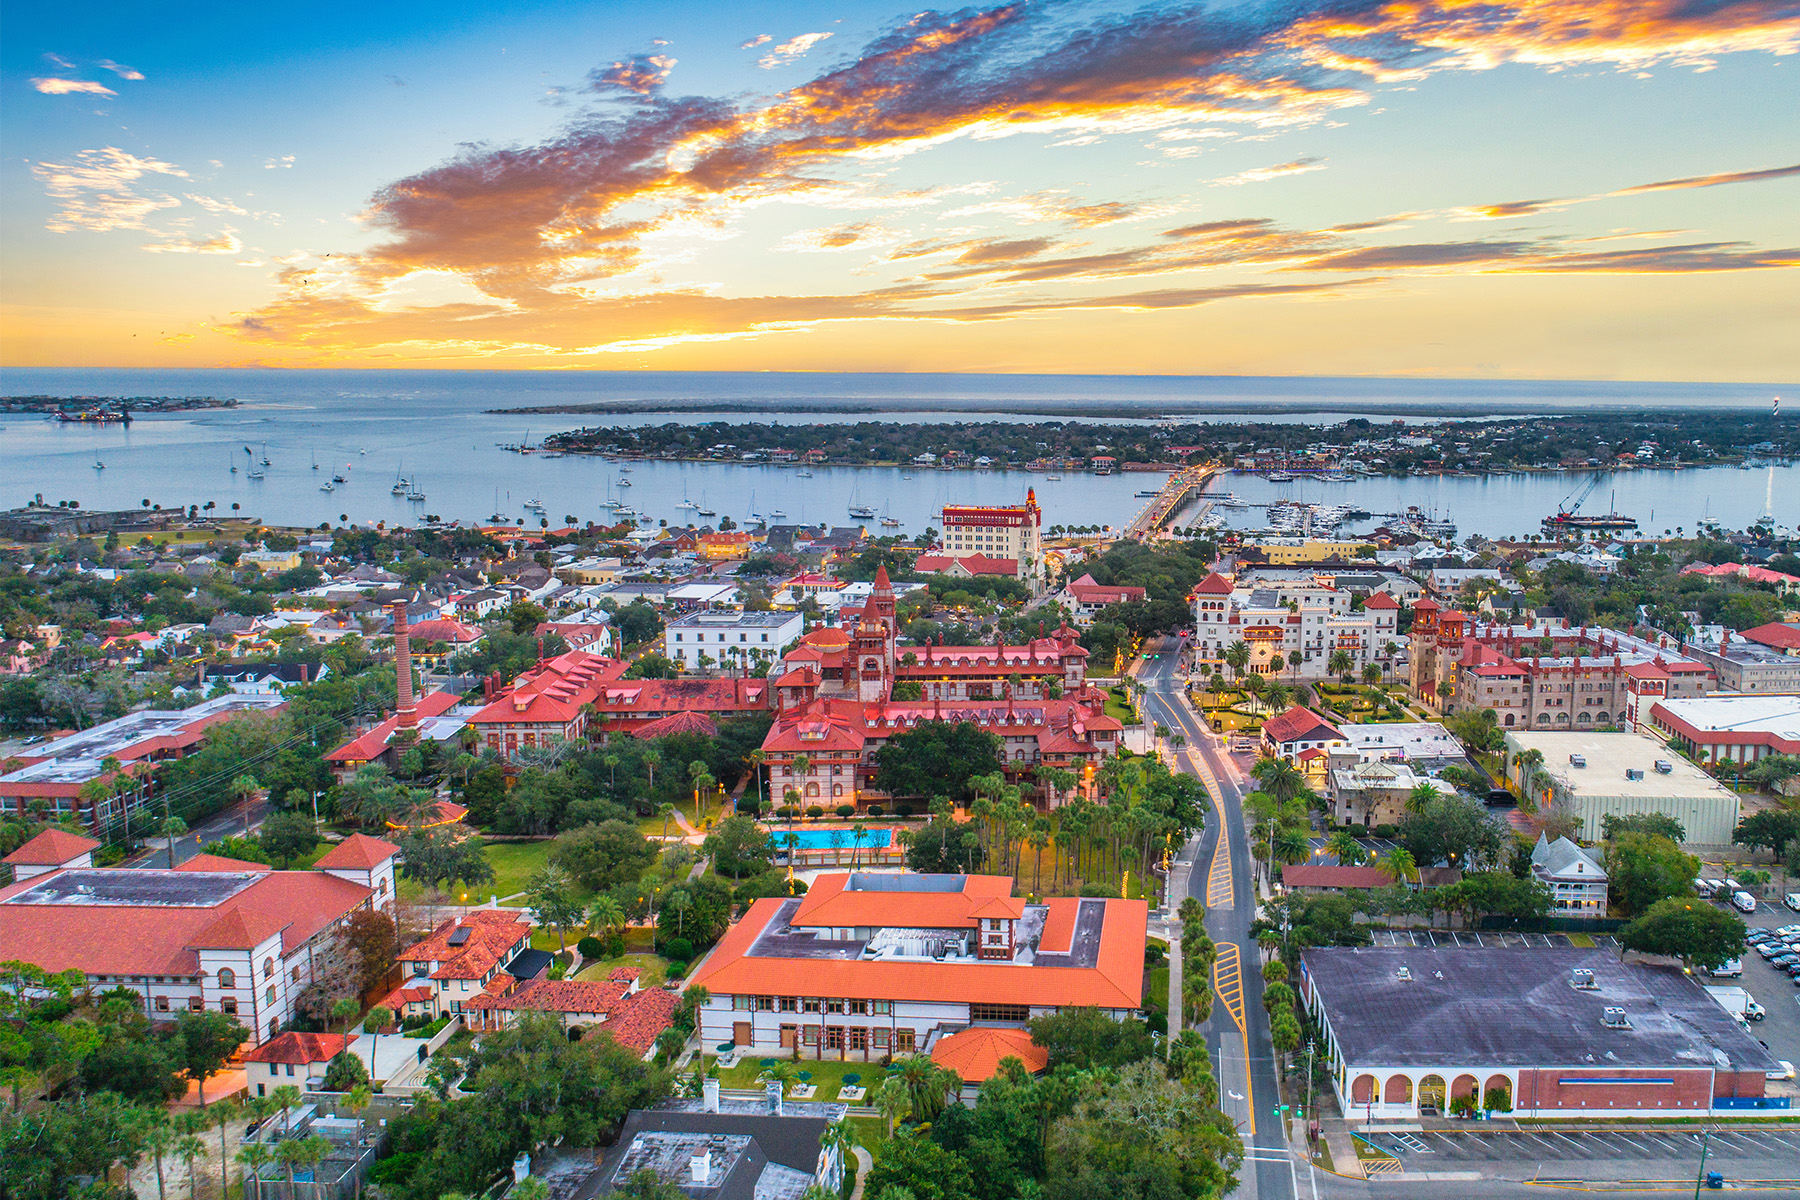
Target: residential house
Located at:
point(1577, 882)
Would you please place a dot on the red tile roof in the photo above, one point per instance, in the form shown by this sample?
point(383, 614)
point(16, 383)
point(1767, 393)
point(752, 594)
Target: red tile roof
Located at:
point(975, 1054)
point(1776, 635)
point(236, 929)
point(681, 722)
point(299, 1049)
point(828, 903)
point(639, 1019)
point(132, 940)
point(1380, 600)
point(566, 996)
point(218, 862)
point(52, 848)
point(367, 746)
point(1087, 591)
point(1324, 876)
point(400, 997)
point(553, 691)
point(492, 935)
point(358, 852)
point(1214, 584)
point(1299, 724)
point(974, 564)
point(444, 630)
point(1059, 925)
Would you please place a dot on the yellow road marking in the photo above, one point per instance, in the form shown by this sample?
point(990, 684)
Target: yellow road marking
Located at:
point(1218, 876)
point(1228, 982)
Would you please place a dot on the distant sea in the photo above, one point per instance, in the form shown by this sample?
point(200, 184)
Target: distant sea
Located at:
point(436, 429)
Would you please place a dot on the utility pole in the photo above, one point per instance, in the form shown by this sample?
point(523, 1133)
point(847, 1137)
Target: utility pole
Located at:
point(1701, 1176)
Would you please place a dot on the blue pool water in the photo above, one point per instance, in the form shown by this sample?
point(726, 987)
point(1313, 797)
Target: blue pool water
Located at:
point(834, 839)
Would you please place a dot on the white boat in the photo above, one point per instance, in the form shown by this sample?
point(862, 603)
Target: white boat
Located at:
point(804, 475)
point(497, 515)
point(624, 482)
point(777, 515)
point(401, 487)
point(98, 465)
point(256, 472)
point(891, 522)
point(1050, 478)
point(625, 470)
point(708, 512)
point(536, 506)
point(415, 495)
point(315, 459)
point(328, 486)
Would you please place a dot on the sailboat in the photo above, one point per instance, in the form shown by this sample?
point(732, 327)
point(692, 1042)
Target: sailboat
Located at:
point(701, 507)
point(414, 494)
point(497, 515)
point(888, 519)
point(315, 458)
point(859, 510)
point(265, 456)
point(328, 486)
point(756, 518)
point(685, 502)
point(257, 472)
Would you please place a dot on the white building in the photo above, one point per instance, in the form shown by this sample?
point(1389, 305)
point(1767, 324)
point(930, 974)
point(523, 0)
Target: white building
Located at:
point(1312, 620)
point(726, 639)
point(1595, 775)
point(1010, 532)
point(1576, 881)
point(214, 934)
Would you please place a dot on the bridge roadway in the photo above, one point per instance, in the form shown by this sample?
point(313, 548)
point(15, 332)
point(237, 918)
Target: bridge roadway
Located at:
point(1159, 510)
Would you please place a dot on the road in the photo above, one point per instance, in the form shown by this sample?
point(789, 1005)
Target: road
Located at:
point(228, 823)
point(1238, 1031)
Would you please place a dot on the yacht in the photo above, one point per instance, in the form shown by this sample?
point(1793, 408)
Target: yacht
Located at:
point(339, 479)
point(401, 486)
point(1279, 477)
point(415, 495)
point(891, 522)
point(708, 512)
point(1048, 478)
point(775, 514)
point(256, 473)
point(328, 486)
point(265, 457)
point(624, 482)
point(1230, 500)
point(315, 459)
point(497, 515)
point(804, 475)
point(536, 506)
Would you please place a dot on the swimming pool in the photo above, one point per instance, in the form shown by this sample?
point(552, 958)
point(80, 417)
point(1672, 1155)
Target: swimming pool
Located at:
point(834, 839)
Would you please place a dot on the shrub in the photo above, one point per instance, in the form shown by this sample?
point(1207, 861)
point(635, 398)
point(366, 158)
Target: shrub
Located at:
point(615, 946)
point(1386, 831)
point(591, 947)
point(679, 948)
point(1497, 1100)
point(903, 810)
point(1158, 1023)
point(676, 970)
point(846, 811)
point(875, 810)
point(787, 812)
point(814, 811)
point(1462, 1106)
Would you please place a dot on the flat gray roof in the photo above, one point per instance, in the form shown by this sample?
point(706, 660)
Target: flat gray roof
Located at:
point(1519, 1007)
point(118, 886)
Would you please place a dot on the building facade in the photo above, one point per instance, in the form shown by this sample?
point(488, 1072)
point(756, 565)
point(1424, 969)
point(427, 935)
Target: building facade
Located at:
point(729, 639)
point(1730, 728)
point(1592, 776)
point(998, 532)
point(1291, 627)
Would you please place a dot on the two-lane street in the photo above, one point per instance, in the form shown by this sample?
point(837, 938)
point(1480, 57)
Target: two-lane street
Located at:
point(1238, 1032)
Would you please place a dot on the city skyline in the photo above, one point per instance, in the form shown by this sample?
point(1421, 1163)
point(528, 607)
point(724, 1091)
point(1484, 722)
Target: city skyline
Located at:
point(1520, 190)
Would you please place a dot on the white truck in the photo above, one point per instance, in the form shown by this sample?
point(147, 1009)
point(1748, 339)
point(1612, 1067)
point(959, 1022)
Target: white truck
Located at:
point(1737, 1002)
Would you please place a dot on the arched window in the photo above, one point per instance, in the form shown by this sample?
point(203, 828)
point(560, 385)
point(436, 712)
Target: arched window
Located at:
point(227, 977)
point(268, 968)
point(269, 996)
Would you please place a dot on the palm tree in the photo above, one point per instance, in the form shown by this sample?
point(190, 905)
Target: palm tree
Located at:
point(680, 901)
point(858, 835)
point(1421, 795)
point(187, 1148)
point(666, 811)
point(159, 1139)
point(652, 759)
point(800, 766)
point(173, 828)
point(1292, 844)
point(782, 1072)
point(1340, 664)
point(1279, 778)
point(1040, 841)
point(255, 1156)
point(1371, 675)
point(243, 790)
point(1346, 849)
point(305, 1153)
point(605, 915)
point(223, 1113)
point(892, 1100)
point(1237, 657)
point(1400, 865)
point(357, 1101)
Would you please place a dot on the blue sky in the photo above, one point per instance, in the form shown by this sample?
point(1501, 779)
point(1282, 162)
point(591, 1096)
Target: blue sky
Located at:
point(1525, 189)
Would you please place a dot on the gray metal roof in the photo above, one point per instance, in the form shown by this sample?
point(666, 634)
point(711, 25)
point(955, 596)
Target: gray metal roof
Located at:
point(1471, 1007)
point(1564, 858)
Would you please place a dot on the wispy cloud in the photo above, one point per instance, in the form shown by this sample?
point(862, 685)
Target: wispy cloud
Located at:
point(1298, 166)
point(95, 191)
point(788, 51)
point(119, 69)
point(761, 39)
point(226, 242)
point(72, 87)
point(1705, 181)
point(641, 73)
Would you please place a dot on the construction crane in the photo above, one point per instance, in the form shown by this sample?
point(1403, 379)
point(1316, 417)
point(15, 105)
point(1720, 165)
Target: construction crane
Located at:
point(1568, 521)
point(1572, 502)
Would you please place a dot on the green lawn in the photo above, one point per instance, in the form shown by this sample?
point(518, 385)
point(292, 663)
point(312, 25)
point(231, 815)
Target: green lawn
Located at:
point(654, 968)
point(514, 863)
point(828, 1077)
point(1159, 988)
point(871, 1132)
point(1117, 705)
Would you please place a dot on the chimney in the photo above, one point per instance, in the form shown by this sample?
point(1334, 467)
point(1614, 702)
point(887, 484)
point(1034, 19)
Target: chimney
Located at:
point(521, 1167)
point(405, 707)
point(709, 1094)
point(701, 1166)
point(772, 1092)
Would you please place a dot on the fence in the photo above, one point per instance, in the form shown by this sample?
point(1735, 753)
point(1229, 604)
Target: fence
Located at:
point(426, 1049)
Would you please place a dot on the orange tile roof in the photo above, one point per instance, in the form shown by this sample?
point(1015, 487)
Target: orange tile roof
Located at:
point(358, 852)
point(975, 1054)
point(52, 848)
point(400, 997)
point(299, 1049)
point(1115, 981)
point(236, 929)
point(367, 746)
point(1059, 925)
point(830, 904)
point(554, 995)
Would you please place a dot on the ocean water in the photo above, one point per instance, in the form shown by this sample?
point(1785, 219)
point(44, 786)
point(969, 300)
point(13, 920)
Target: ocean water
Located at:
point(436, 429)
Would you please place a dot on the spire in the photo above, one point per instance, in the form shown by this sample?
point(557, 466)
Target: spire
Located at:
point(881, 580)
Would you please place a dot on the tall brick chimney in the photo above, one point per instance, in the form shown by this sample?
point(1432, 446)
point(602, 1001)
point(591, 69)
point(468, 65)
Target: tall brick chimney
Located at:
point(405, 706)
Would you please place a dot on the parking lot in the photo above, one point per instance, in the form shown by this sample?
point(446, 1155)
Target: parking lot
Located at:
point(1780, 1030)
point(1596, 1154)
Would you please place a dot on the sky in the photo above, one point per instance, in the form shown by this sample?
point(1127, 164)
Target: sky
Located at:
point(1579, 189)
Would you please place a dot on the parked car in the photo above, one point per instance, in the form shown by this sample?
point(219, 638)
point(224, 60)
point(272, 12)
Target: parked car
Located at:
point(1783, 1070)
point(1743, 901)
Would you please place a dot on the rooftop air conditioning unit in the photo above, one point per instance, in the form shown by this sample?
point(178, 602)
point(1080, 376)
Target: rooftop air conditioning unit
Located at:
point(1577, 760)
point(1404, 973)
point(1614, 1018)
point(1634, 773)
point(1664, 767)
point(1584, 979)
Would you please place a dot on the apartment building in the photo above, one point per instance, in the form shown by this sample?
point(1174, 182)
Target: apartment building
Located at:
point(729, 638)
point(1008, 532)
point(1279, 620)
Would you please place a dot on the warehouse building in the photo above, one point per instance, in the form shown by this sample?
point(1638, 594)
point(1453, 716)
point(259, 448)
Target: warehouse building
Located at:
point(1595, 775)
point(1572, 1033)
point(1731, 728)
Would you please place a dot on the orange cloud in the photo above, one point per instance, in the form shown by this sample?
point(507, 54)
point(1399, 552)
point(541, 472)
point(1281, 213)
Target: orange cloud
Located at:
point(69, 87)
